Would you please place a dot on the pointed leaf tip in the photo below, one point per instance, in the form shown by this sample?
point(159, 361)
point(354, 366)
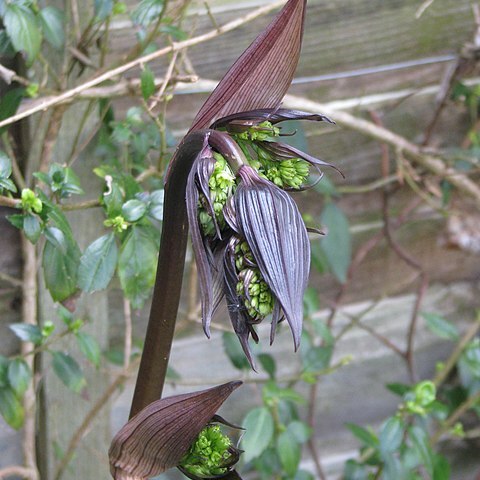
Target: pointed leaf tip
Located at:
point(263, 73)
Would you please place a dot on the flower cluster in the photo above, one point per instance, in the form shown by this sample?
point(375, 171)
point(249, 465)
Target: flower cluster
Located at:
point(249, 239)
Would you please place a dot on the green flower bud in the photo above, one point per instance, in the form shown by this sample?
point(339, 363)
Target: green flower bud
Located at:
point(425, 393)
point(119, 224)
point(209, 454)
point(30, 201)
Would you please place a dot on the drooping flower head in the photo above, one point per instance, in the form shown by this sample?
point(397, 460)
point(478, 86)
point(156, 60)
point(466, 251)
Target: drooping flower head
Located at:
point(248, 237)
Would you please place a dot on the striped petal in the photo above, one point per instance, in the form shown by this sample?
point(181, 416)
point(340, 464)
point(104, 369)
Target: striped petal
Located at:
point(271, 224)
point(156, 439)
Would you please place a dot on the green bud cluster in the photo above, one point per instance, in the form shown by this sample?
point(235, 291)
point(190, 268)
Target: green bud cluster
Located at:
point(291, 173)
point(209, 454)
point(30, 201)
point(251, 287)
point(119, 224)
point(261, 132)
point(221, 185)
point(423, 396)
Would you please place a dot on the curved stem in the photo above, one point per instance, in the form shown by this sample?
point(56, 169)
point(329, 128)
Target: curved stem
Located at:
point(168, 284)
point(171, 260)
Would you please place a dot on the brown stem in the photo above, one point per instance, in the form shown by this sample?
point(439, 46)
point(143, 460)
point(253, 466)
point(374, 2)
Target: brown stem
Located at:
point(29, 316)
point(168, 284)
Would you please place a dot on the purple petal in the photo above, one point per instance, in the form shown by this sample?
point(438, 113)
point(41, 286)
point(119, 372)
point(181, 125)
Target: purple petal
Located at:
point(261, 76)
point(274, 230)
point(254, 117)
point(157, 437)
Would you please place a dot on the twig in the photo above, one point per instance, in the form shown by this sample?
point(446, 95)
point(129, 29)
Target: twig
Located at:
point(422, 8)
point(9, 202)
point(16, 172)
point(434, 164)
point(18, 471)
point(452, 361)
point(87, 421)
point(16, 282)
point(450, 421)
point(10, 76)
point(311, 423)
point(177, 46)
point(29, 317)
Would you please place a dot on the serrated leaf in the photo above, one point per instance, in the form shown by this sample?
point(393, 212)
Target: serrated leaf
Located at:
point(68, 371)
point(391, 435)
point(259, 427)
point(60, 269)
point(27, 333)
point(137, 265)
point(89, 347)
point(52, 20)
point(98, 263)
point(337, 243)
point(56, 237)
point(32, 227)
point(234, 351)
point(289, 453)
point(147, 12)
point(440, 326)
point(9, 103)
point(147, 83)
point(19, 376)
point(367, 437)
point(23, 29)
point(133, 210)
point(11, 408)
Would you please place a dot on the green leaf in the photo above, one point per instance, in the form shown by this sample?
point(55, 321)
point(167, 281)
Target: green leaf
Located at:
point(56, 237)
point(27, 333)
point(441, 470)
point(421, 443)
point(103, 9)
point(97, 264)
point(355, 471)
point(52, 20)
point(367, 437)
point(9, 103)
point(289, 452)
point(60, 269)
point(23, 29)
point(147, 12)
point(4, 362)
point(441, 327)
point(337, 243)
point(5, 165)
point(7, 184)
point(234, 351)
point(137, 265)
point(315, 358)
point(11, 408)
point(68, 371)
point(32, 227)
point(147, 83)
point(89, 347)
point(19, 376)
point(391, 435)
point(399, 389)
point(133, 210)
point(6, 47)
point(259, 428)
point(268, 364)
point(176, 33)
point(300, 431)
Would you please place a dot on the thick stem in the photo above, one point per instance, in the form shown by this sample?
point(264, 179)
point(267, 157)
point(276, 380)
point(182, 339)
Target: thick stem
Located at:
point(171, 261)
point(168, 284)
